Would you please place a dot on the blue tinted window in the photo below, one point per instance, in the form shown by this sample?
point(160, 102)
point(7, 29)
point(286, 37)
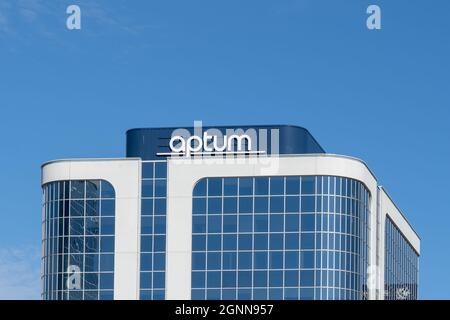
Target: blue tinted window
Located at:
point(107, 226)
point(291, 241)
point(92, 189)
point(158, 294)
point(213, 279)
point(245, 204)
point(146, 280)
point(146, 225)
point(292, 204)
point(106, 281)
point(159, 262)
point(275, 294)
point(147, 188)
point(199, 206)
point(107, 244)
point(107, 262)
point(261, 223)
point(229, 279)
point(261, 241)
point(92, 244)
point(230, 205)
point(291, 260)
point(308, 185)
point(308, 204)
point(307, 222)
point(276, 260)
point(77, 226)
point(147, 170)
point(158, 280)
point(245, 242)
point(77, 189)
point(160, 188)
point(276, 204)
point(292, 185)
point(147, 243)
point(198, 279)
point(215, 224)
point(245, 223)
point(214, 260)
point(230, 186)
point(307, 241)
point(108, 208)
point(214, 242)
point(198, 294)
point(160, 243)
point(307, 259)
point(307, 278)
point(245, 186)
point(214, 187)
point(213, 294)
point(260, 294)
point(292, 222)
point(200, 188)
point(230, 223)
point(245, 260)
point(261, 259)
point(260, 278)
point(276, 279)
point(160, 225)
point(244, 279)
point(198, 242)
point(214, 205)
point(229, 260)
point(147, 206)
point(276, 185)
point(92, 207)
point(229, 242)
point(276, 222)
point(198, 261)
point(146, 262)
point(199, 224)
point(290, 293)
point(107, 190)
point(229, 294)
point(160, 170)
point(291, 278)
point(276, 241)
point(262, 186)
point(261, 205)
point(160, 206)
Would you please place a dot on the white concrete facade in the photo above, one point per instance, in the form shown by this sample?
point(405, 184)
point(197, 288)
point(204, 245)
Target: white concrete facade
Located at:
point(182, 175)
point(125, 176)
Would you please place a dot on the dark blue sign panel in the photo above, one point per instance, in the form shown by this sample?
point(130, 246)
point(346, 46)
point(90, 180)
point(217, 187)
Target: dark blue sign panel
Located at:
point(158, 143)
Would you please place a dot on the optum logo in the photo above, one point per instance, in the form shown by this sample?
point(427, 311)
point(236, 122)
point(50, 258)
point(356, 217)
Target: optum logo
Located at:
point(213, 142)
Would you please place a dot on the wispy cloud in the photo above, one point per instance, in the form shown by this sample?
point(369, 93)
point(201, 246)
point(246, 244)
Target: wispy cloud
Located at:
point(19, 273)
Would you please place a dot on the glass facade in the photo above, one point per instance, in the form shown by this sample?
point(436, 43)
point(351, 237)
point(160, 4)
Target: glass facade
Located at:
point(153, 230)
point(282, 237)
point(401, 265)
point(78, 221)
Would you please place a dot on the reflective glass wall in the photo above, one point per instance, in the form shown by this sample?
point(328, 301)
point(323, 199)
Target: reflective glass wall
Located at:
point(78, 224)
point(153, 230)
point(280, 237)
point(401, 265)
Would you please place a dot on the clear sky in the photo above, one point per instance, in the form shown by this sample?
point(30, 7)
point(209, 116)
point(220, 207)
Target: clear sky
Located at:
point(383, 96)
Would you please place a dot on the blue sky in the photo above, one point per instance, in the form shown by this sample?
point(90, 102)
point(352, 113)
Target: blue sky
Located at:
point(383, 96)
